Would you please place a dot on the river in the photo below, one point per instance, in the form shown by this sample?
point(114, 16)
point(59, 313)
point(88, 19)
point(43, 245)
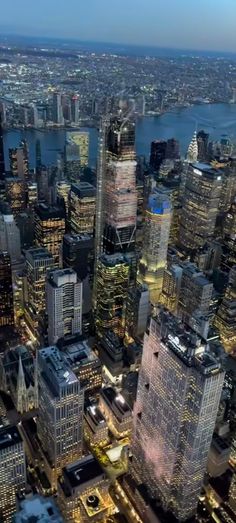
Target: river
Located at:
point(216, 119)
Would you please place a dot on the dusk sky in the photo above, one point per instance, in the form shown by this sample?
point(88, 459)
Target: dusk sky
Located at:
point(186, 24)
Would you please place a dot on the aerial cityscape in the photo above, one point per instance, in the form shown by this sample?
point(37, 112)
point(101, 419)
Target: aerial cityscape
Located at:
point(117, 265)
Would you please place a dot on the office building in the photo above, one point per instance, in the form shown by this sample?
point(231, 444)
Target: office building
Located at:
point(116, 411)
point(83, 492)
point(2, 162)
point(158, 153)
point(200, 206)
point(82, 207)
point(192, 154)
point(64, 304)
point(10, 237)
point(111, 349)
point(171, 287)
point(155, 243)
point(83, 361)
point(6, 292)
point(172, 149)
point(218, 457)
point(19, 161)
point(15, 194)
point(57, 112)
point(62, 194)
point(202, 142)
point(78, 254)
point(195, 293)
point(112, 284)
point(76, 154)
point(120, 198)
point(50, 229)
point(75, 108)
point(228, 185)
point(37, 508)
point(60, 418)
point(32, 195)
point(225, 319)
point(179, 390)
point(12, 471)
point(137, 311)
point(95, 426)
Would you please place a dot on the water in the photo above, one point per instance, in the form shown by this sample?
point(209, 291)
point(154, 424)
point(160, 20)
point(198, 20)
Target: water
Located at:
point(216, 119)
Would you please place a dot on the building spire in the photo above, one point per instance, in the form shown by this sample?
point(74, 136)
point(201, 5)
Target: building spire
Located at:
point(192, 154)
point(21, 387)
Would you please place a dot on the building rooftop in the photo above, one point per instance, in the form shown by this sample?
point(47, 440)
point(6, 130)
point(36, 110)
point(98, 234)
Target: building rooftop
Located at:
point(59, 277)
point(84, 190)
point(115, 399)
point(9, 436)
point(38, 253)
point(46, 211)
point(111, 260)
point(206, 168)
point(83, 471)
point(95, 414)
point(55, 370)
point(77, 238)
point(38, 510)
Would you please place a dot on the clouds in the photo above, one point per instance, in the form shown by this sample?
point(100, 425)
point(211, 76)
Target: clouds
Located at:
point(169, 23)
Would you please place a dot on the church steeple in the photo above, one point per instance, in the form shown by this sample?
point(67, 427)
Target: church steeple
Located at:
point(192, 155)
point(21, 389)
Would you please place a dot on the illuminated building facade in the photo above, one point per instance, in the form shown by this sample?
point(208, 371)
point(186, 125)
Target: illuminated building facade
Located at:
point(195, 292)
point(82, 207)
point(112, 285)
point(95, 426)
point(19, 161)
point(6, 292)
point(171, 287)
point(116, 411)
point(61, 402)
point(32, 195)
point(83, 492)
point(136, 311)
point(225, 319)
point(76, 153)
point(50, 229)
point(12, 471)
point(155, 243)
point(200, 205)
point(64, 304)
point(192, 155)
point(120, 194)
point(62, 193)
point(10, 237)
point(179, 390)
point(16, 194)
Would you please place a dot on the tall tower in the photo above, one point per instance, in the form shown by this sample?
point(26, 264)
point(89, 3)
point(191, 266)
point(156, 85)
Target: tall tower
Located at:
point(57, 113)
point(49, 225)
point(82, 208)
point(6, 292)
point(75, 108)
point(10, 237)
point(12, 471)
point(64, 304)
point(155, 243)
point(19, 161)
point(225, 319)
point(179, 389)
point(120, 194)
point(2, 163)
point(200, 205)
point(61, 402)
point(192, 155)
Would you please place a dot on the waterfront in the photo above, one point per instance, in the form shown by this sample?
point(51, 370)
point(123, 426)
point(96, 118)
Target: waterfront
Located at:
point(216, 119)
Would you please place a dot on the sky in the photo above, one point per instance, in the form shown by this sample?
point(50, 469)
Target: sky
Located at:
point(183, 24)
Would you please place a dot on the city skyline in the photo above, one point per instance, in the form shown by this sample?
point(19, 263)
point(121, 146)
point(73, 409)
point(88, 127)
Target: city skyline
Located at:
point(167, 25)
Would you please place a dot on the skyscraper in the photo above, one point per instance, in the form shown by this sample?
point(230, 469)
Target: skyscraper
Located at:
point(200, 205)
point(192, 155)
point(61, 403)
point(112, 285)
point(2, 162)
point(57, 113)
point(64, 304)
point(75, 109)
point(171, 287)
point(155, 243)
point(77, 153)
point(19, 161)
point(158, 153)
point(49, 225)
point(6, 292)
point(195, 292)
point(82, 207)
point(12, 471)
point(225, 319)
point(179, 390)
point(10, 237)
point(15, 194)
point(120, 194)
point(202, 141)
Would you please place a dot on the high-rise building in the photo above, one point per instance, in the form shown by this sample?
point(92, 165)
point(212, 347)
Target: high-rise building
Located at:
point(50, 229)
point(57, 112)
point(195, 292)
point(61, 402)
point(2, 162)
point(171, 287)
point(10, 237)
point(179, 390)
point(112, 285)
point(62, 193)
point(19, 161)
point(32, 195)
point(202, 142)
point(64, 304)
point(77, 148)
point(75, 109)
point(137, 311)
point(16, 194)
point(155, 243)
point(172, 149)
point(192, 154)
point(200, 205)
point(225, 319)
point(120, 194)
point(12, 471)
point(158, 153)
point(6, 292)
point(82, 207)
